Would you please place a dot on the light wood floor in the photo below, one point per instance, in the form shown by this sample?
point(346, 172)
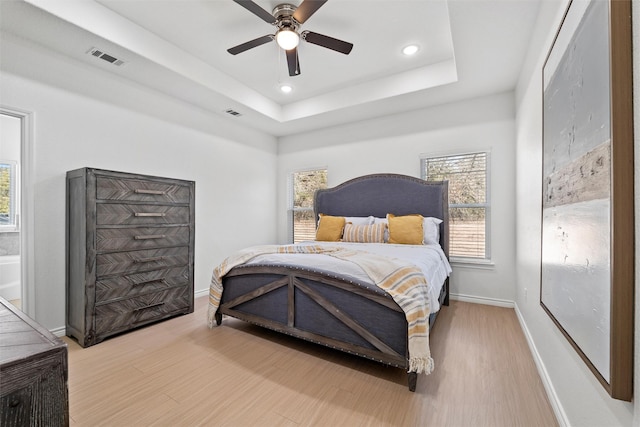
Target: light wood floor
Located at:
point(180, 373)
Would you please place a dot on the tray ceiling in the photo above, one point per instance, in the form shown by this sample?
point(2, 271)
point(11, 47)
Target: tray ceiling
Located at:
point(466, 49)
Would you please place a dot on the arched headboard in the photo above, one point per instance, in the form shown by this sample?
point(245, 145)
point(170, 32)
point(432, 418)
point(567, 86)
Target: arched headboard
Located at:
point(380, 194)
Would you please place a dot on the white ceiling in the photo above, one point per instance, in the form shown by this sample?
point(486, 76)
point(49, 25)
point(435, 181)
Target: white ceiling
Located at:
point(468, 48)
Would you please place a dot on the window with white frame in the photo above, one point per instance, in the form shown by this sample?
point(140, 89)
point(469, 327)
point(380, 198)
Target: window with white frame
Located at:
point(469, 203)
point(302, 187)
point(8, 196)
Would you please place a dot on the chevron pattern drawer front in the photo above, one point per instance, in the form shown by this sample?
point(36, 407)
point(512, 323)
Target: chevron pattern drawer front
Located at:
point(130, 251)
point(118, 263)
point(140, 190)
point(132, 284)
point(118, 316)
point(108, 213)
point(122, 239)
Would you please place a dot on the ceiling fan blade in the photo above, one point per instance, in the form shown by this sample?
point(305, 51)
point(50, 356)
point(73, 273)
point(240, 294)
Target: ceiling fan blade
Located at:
point(292, 62)
point(306, 9)
point(257, 10)
point(250, 44)
point(328, 42)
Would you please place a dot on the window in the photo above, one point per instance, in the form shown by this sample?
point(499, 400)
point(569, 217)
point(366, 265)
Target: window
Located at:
point(469, 206)
point(302, 186)
point(8, 198)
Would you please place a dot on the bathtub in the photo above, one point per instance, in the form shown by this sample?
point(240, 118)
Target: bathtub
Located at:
point(10, 277)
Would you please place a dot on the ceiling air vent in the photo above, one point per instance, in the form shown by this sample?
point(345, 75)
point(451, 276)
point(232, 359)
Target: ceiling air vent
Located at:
point(233, 112)
point(105, 56)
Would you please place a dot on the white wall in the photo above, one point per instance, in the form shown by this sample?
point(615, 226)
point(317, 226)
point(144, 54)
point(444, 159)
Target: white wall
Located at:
point(395, 143)
point(579, 398)
point(235, 181)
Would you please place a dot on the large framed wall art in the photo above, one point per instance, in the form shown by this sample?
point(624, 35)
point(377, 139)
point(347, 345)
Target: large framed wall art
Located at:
point(587, 269)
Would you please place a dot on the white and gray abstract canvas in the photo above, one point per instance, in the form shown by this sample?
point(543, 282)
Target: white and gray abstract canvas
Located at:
point(577, 177)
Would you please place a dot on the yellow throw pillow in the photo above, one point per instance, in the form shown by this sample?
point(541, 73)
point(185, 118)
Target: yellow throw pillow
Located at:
point(406, 230)
point(330, 228)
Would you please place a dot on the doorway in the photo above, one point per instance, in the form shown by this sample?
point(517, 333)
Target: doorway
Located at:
point(14, 260)
point(10, 142)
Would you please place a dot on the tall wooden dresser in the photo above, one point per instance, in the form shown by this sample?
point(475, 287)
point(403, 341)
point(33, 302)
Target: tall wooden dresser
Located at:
point(129, 251)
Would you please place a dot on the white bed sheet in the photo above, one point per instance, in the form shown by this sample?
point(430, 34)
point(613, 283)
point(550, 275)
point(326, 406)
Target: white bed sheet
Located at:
point(430, 259)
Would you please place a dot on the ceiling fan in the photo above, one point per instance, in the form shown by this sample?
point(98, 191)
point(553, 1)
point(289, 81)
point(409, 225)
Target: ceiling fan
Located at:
point(288, 19)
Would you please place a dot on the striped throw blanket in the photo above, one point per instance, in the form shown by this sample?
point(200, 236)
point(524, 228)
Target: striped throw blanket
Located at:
point(403, 281)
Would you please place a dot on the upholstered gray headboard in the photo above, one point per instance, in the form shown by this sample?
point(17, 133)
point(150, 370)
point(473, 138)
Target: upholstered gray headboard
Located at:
point(380, 194)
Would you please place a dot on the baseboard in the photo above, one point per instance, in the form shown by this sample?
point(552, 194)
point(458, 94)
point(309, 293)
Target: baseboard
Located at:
point(558, 410)
point(201, 293)
point(482, 300)
point(59, 332)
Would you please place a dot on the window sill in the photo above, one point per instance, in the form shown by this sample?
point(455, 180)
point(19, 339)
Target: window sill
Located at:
point(483, 264)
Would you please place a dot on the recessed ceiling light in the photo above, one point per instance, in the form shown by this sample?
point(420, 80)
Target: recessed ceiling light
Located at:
point(286, 88)
point(410, 50)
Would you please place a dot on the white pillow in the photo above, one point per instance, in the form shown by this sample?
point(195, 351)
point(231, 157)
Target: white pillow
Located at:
point(431, 227)
point(359, 220)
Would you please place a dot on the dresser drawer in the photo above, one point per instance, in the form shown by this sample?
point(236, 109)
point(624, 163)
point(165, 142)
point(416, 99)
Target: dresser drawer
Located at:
point(122, 239)
point(118, 263)
point(130, 285)
point(124, 314)
point(122, 214)
point(109, 188)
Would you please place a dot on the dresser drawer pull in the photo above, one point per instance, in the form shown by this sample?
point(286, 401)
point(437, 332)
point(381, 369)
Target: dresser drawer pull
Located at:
point(148, 306)
point(150, 259)
point(145, 214)
point(150, 236)
point(146, 282)
point(155, 192)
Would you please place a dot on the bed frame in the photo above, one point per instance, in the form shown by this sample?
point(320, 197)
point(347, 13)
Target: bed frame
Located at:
point(320, 306)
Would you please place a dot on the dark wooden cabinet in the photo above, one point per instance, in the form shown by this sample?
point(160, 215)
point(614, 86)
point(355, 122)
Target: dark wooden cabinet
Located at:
point(130, 249)
point(33, 372)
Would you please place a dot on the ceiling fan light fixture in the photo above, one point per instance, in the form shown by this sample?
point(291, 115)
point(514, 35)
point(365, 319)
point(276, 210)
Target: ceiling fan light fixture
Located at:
point(287, 38)
point(287, 19)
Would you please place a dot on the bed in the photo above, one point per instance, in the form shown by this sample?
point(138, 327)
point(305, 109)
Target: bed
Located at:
point(330, 300)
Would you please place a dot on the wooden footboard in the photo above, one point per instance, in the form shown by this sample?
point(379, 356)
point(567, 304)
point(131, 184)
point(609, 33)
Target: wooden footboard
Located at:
point(320, 308)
